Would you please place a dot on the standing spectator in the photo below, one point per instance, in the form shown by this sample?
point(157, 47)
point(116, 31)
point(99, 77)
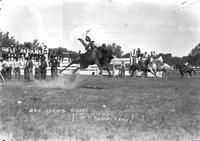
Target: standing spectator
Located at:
point(6, 68)
point(29, 69)
point(17, 71)
point(54, 64)
point(10, 70)
point(138, 53)
point(43, 68)
point(37, 69)
point(25, 70)
point(122, 69)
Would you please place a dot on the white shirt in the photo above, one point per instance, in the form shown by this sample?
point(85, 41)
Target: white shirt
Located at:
point(24, 64)
point(17, 64)
point(36, 64)
point(137, 60)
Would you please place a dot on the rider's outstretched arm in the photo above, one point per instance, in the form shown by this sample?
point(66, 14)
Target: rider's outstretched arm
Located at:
point(86, 45)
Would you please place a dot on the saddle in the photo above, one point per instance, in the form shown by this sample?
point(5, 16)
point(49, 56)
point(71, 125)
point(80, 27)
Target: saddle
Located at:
point(94, 53)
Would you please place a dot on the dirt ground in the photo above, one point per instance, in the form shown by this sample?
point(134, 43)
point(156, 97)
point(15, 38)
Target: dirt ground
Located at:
point(89, 108)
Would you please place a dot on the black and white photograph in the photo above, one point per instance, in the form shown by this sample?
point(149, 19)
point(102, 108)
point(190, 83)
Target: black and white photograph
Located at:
point(99, 70)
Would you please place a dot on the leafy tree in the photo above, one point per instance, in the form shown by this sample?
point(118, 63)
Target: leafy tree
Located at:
point(6, 41)
point(117, 49)
point(169, 59)
point(195, 50)
point(28, 45)
point(194, 56)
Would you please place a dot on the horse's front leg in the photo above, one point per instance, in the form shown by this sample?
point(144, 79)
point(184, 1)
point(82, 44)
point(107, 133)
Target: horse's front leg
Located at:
point(182, 75)
point(99, 66)
point(73, 62)
point(132, 72)
point(166, 75)
point(109, 74)
point(154, 73)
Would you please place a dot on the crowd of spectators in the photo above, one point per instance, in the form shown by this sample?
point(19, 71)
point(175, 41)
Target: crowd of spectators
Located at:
point(30, 61)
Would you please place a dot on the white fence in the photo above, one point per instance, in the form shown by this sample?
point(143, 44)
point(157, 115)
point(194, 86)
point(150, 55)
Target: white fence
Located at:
point(93, 69)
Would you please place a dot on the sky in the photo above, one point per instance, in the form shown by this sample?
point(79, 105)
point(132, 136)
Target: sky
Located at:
point(164, 26)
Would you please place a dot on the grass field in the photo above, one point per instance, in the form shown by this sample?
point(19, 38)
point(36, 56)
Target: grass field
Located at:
point(99, 108)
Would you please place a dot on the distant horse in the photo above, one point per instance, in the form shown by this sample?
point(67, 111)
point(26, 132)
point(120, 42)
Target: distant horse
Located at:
point(185, 69)
point(140, 66)
point(144, 66)
point(164, 67)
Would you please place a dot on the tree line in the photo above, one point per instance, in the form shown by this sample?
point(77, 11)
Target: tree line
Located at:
point(6, 40)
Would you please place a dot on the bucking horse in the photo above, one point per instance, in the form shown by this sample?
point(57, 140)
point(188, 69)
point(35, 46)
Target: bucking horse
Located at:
point(101, 56)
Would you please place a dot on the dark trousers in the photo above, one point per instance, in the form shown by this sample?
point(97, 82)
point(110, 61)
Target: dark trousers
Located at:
point(37, 73)
point(17, 73)
point(122, 72)
point(28, 73)
point(43, 73)
point(54, 72)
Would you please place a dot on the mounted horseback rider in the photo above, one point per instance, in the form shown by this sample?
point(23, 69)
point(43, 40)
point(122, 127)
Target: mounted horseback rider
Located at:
point(90, 46)
point(159, 62)
point(101, 56)
point(91, 51)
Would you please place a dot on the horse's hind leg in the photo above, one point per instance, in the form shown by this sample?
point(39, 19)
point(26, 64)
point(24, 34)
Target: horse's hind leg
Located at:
point(109, 74)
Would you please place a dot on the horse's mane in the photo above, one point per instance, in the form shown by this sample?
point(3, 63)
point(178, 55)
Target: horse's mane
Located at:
point(106, 52)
